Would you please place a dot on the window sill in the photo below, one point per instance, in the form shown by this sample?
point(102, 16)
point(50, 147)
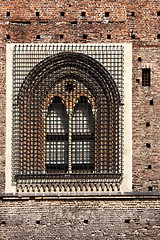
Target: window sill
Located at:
point(68, 183)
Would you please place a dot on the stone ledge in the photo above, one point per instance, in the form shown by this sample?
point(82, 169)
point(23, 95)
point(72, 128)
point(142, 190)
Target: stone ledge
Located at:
point(81, 196)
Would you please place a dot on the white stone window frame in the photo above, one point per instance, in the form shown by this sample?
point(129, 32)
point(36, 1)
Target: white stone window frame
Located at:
point(126, 185)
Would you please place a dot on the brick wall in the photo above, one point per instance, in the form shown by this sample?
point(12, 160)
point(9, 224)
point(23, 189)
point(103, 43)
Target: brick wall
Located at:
point(80, 219)
point(143, 112)
point(23, 26)
point(106, 219)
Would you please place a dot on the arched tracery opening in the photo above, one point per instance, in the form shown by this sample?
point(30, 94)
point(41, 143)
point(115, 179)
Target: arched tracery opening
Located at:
point(83, 131)
point(69, 119)
point(56, 134)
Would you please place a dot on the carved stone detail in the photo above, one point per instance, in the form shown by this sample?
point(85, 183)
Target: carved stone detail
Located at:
point(61, 187)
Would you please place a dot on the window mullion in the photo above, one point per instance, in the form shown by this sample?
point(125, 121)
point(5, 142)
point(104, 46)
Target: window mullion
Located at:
point(70, 143)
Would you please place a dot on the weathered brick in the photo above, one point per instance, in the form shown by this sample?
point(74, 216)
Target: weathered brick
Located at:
point(106, 219)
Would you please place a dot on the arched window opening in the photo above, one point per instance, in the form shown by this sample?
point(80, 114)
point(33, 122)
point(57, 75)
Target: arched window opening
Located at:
point(83, 136)
point(71, 124)
point(57, 136)
point(81, 127)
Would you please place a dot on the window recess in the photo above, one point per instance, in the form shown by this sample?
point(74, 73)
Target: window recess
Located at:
point(67, 127)
point(146, 77)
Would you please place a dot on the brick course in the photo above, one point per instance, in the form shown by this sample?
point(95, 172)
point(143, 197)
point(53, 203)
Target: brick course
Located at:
point(80, 219)
point(23, 26)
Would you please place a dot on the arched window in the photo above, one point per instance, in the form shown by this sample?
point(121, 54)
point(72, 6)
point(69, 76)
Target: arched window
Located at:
point(56, 136)
point(83, 132)
point(80, 141)
point(69, 116)
point(75, 105)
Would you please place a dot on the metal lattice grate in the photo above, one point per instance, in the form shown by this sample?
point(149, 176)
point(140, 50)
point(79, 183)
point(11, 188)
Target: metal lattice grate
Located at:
point(67, 112)
point(146, 77)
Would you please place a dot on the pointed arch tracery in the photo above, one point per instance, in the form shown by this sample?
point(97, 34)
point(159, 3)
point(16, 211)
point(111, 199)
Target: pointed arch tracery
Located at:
point(69, 77)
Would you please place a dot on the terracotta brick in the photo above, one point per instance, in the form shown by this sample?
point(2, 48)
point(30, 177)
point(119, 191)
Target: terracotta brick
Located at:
point(22, 25)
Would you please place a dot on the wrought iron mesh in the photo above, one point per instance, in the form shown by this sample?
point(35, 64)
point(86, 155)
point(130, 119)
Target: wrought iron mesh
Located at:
point(67, 112)
point(146, 79)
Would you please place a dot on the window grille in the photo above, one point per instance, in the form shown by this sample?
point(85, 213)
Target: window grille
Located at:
point(67, 127)
point(146, 78)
